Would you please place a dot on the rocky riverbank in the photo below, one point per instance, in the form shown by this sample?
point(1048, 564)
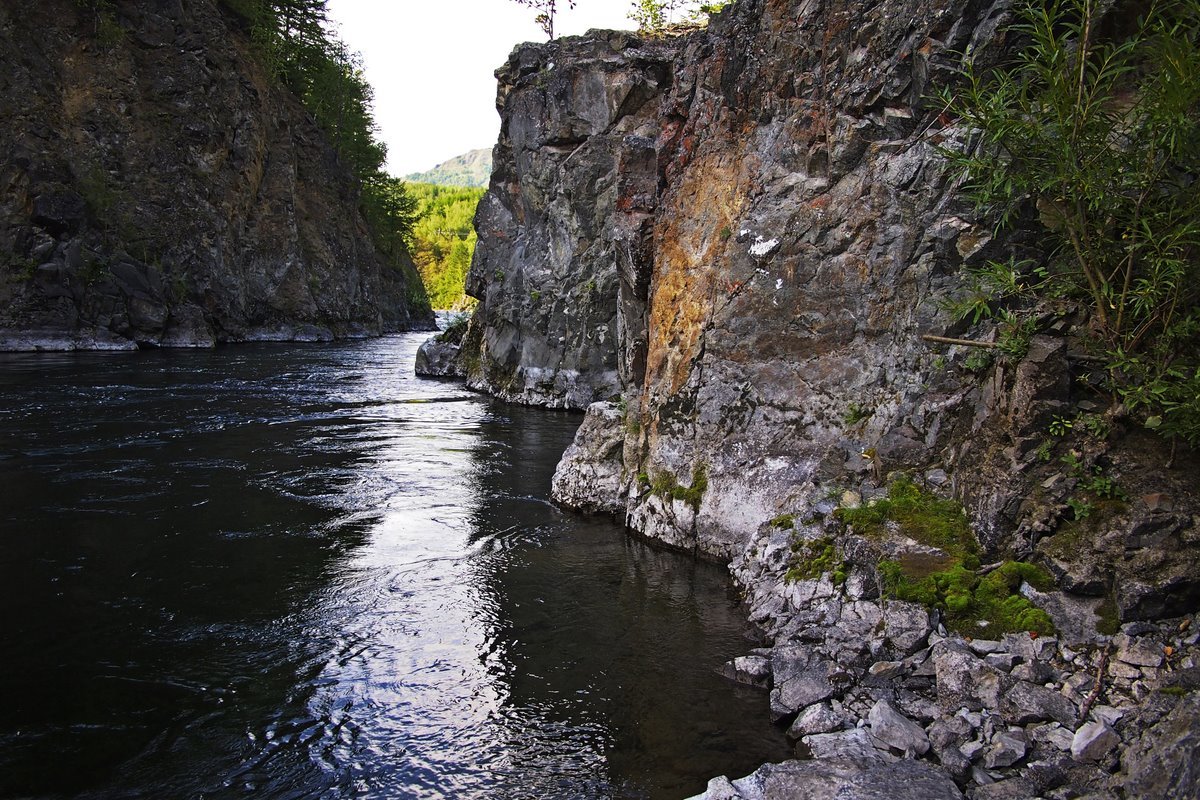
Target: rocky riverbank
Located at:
point(967, 565)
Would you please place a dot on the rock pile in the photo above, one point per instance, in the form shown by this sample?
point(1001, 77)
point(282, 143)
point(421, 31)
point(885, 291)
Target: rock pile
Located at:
point(864, 680)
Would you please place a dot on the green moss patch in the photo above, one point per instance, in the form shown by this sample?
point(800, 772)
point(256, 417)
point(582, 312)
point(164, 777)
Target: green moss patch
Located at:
point(812, 558)
point(664, 485)
point(920, 515)
point(785, 521)
point(975, 605)
point(1110, 619)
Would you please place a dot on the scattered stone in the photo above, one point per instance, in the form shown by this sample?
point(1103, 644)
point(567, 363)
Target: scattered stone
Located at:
point(1121, 669)
point(1093, 741)
point(1026, 703)
point(1107, 714)
point(1053, 735)
point(985, 646)
point(838, 779)
point(949, 732)
point(1001, 661)
point(1033, 672)
point(1137, 651)
point(937, 477)
point(1017, 788)
point(886, 669)
point(1007, 749)
point(972, 749)
point(751, 670)
point(896, 730)
point(819, 718)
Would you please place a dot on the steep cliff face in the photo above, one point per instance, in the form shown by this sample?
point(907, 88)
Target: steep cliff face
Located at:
point(565, 221)
point(160, 190)
point(770, 239)
point(790, 235)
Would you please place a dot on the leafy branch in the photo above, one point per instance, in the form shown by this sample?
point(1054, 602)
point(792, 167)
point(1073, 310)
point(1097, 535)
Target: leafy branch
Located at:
point(1102, 138)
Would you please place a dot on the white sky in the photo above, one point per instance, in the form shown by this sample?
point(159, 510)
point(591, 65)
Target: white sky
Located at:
point(431, 63)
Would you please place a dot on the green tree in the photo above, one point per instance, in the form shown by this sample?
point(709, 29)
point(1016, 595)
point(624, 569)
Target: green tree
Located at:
point(1101, 138)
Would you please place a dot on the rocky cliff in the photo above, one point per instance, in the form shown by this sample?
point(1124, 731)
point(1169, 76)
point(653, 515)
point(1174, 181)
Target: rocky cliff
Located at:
point(160, 190)
point(739, 239)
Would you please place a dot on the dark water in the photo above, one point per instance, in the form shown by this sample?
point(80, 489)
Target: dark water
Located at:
point(298, 571)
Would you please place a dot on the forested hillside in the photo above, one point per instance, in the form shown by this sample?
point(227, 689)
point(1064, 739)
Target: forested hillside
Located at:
point(444, 240)
point(469, 169)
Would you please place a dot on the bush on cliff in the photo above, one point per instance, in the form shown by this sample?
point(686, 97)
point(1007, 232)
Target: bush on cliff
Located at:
point(1101, 137)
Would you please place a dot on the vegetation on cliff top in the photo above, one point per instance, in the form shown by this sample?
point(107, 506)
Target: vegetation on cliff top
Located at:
point(1102, 137)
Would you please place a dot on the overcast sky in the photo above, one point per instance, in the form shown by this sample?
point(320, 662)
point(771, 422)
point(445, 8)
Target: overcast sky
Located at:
point(431, 64)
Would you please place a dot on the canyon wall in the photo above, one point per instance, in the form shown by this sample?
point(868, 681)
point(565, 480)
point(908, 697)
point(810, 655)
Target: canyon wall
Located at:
point(160, 189)
point(742, 234)
point(737, 241)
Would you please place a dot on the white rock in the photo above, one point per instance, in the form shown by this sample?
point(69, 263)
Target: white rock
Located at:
point(1093, 741)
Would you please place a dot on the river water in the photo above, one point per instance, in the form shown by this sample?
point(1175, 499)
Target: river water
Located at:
point(295, 571)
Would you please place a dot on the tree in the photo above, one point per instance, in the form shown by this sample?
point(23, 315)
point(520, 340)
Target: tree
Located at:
point(546, 10)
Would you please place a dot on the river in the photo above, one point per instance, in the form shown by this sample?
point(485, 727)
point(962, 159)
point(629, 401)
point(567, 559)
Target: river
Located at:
point(299, 571)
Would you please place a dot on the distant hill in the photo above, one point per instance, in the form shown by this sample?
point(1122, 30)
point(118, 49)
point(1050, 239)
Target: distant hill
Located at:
point(469, 169)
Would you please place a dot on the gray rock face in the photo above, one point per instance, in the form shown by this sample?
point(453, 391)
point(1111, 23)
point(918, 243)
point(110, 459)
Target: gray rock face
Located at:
point(588, 477)
point(1162, 762)
point(170, 195)
point(564, 224)
point(769, 237)
point(843, 779)
point(749, 247)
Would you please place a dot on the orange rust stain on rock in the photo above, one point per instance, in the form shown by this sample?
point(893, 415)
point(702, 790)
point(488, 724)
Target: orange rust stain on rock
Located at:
point(689, 264)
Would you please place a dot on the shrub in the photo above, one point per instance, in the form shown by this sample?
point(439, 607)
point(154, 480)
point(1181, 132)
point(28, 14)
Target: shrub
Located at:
point(1102, 138)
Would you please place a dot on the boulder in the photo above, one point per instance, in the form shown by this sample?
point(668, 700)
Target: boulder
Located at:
point(801, 679)
point(838, 779)
point(588, 477)
point(964, 680)
point(751, 670)
point(438, 359)
point(896, 730)
point(819, 718)
point(1026, 702)
point(855, 743)
point(1093, 741)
